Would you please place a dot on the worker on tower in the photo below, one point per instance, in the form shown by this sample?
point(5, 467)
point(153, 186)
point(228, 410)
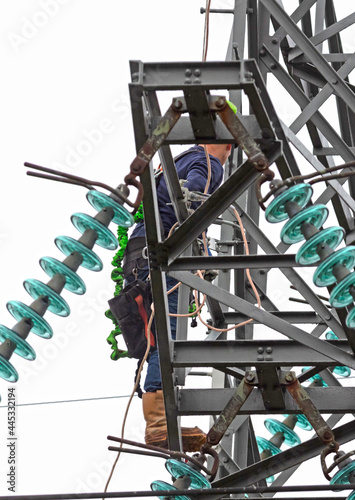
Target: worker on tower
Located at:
point(192, 166)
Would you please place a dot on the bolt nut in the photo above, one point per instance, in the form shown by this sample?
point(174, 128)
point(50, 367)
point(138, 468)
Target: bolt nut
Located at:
point(188, 72)
point(274, 41)
point(197, 80)
point(187, 80)
point(177, 104)
point(260, 350)
point(273, 66)
point(269, 350)
point(268, 358)
point(260, 358)
point(289, 378)
point(250, 377)
point(197, 72)
point(262, 53)
point(220, 102)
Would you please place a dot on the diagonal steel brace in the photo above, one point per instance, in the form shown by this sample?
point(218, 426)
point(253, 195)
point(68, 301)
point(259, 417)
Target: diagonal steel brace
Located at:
point(232, 408)
point(307, 406)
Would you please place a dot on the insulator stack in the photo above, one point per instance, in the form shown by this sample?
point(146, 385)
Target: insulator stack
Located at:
point(346, 473)
point(282, 433)
point(62, 275)
point(184, 476)
point(334, 266)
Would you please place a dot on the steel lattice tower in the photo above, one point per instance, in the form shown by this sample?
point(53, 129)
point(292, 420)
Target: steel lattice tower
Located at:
point(302, 52)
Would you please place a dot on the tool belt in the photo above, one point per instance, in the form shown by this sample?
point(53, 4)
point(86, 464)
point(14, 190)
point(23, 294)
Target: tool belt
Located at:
point(135, 256)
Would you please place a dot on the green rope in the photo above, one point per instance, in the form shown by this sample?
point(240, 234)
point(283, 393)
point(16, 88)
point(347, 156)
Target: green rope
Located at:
point(117, 278)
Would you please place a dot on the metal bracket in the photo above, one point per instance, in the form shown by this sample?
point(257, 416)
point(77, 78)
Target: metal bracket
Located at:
point(307, 406)
point(216, 104)
point(232, 408)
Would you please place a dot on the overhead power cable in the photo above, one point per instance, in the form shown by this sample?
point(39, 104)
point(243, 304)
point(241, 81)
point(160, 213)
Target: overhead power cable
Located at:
point(67, 401)
point(206, 492)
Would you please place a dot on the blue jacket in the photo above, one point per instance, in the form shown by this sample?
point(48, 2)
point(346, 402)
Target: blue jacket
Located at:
point(193, 168)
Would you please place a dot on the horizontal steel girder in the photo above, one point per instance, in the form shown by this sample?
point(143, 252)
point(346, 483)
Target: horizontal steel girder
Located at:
point(212, 75)
point(249, 353)
point(266, 318)
point(233, 262)
point(212, 401)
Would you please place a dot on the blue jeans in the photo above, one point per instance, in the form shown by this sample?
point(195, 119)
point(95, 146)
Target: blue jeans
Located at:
point(153, 378)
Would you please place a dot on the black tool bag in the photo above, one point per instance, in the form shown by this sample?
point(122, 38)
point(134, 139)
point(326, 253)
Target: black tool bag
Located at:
point(132, 310)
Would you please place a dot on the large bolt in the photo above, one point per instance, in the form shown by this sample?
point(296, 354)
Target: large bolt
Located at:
point(289, 377)
point(220, 102)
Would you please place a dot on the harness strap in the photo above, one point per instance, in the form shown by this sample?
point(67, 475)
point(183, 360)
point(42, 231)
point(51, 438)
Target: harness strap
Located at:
point(143, 314)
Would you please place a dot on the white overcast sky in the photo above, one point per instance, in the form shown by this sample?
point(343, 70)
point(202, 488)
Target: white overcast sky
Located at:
point(65, 74)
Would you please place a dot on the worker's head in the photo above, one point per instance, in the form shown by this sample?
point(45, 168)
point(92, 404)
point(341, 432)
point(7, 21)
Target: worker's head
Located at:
point(220, 151)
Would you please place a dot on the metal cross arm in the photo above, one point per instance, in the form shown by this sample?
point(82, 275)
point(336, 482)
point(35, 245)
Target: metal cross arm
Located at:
point(298, 393)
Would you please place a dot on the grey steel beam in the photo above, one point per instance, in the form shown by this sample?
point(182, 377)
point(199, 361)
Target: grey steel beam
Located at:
point(300, 317)
point(218, 202)
point(255, 353)
point(327, 33)
point(212, 75)
point(232, 262)
point(266, 318)
point(332, 58)
point(337, 400)
point(321, 97)
point(302, 100)
point(153, 236)
point(296, 16)
point(339, 86)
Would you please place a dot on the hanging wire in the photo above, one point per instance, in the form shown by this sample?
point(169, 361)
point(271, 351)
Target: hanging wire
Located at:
point(74, 179)
point(68, 401)
point(320, 176)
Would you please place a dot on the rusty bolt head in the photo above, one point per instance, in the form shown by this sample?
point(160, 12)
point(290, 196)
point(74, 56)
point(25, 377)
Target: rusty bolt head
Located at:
point(289, 377)
point(220, 102)
point(177, 104)
point(328, 436)
point(250, 377)
point(261, 163)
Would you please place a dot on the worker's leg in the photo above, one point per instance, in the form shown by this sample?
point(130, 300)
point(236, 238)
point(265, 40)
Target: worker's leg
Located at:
point(153, 401)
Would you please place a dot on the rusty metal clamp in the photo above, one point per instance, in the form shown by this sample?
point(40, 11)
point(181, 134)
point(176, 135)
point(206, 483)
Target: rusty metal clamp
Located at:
point(155, 451)
point(232, 408)
point(151, 146)
point(331, 448)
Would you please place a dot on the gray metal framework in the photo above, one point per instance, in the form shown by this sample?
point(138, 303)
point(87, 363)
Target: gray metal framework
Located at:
point(304, 54)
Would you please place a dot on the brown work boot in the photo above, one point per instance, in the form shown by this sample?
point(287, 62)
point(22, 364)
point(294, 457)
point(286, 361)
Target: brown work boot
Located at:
point(156, 431)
